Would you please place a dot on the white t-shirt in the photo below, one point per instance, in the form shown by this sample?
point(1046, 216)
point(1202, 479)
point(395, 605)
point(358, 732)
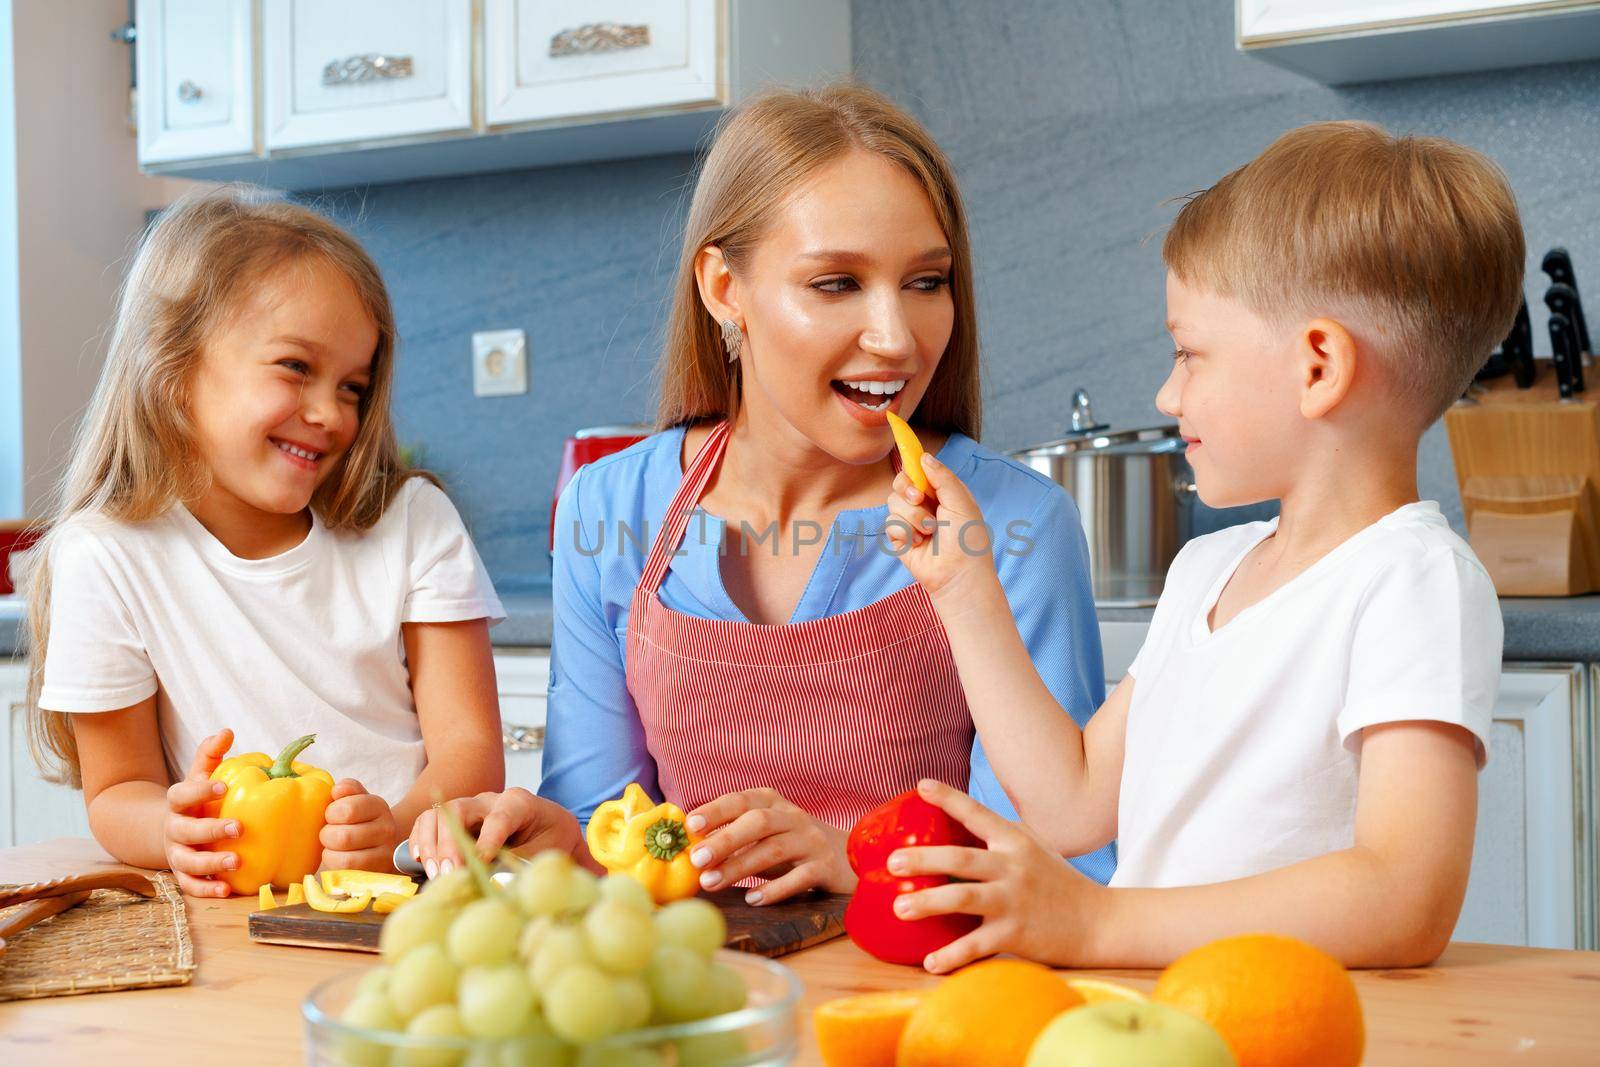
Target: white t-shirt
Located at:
point(1244, 745)
point(307, 641)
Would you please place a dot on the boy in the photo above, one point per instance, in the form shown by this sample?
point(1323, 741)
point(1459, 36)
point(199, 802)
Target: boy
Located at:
point(1296, 746)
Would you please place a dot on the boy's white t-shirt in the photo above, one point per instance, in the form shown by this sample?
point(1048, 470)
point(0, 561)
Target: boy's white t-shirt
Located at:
point(1243, 748)
point(307, 641)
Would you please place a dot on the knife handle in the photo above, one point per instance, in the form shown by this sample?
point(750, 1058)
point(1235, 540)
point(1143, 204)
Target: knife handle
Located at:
point(1561, 355)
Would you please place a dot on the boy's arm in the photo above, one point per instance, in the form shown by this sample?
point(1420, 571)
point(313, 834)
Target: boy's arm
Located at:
point(458, 709)
point(1063, 781)
point(1390, 900)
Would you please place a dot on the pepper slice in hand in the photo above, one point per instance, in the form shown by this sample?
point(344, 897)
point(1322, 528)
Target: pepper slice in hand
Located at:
point(280, 806)
point(649, 842)
point(905, 821)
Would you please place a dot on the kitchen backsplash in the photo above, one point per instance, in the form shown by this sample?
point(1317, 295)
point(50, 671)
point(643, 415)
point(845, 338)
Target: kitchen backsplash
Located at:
point(1071, 123)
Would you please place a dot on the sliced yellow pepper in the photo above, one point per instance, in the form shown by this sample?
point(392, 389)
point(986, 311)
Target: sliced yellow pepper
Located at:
point(649, 842)
point(366, 883)
point(910, 451)
point(384, 903)
point(280, 806)
point(297, 894)
point(268, 901)
point(320, 900)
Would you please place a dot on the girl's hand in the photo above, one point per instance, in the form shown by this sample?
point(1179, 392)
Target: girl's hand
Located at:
point(946, 549)
point(758, 832)
point(1032, 902)
point(360, 831)
point(185, 827)
point(514, 819)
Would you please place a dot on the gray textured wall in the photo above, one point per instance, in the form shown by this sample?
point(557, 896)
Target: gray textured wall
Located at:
point(1071, 122)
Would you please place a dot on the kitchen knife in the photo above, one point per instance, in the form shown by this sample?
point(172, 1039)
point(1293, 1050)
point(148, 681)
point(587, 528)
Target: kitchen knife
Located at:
point(1558, 264)
point(1561, 353)
point(1562, 300)
point(1518, 348)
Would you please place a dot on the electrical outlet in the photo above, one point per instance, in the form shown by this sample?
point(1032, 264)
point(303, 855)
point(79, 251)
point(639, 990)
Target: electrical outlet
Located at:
point(499, 363)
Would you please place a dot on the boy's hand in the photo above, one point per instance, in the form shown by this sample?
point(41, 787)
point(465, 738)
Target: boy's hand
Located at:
point(515, 819)
point(1031, 901)
point(185, 827)
point(360, 831)
point(946, 549)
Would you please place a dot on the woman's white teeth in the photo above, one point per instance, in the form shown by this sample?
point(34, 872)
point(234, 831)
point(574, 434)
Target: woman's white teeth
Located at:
point(857, 391)
point(296, 451)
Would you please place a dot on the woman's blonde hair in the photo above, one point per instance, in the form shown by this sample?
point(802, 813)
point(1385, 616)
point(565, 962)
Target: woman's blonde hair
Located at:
point(762, 153)
point(134, 454)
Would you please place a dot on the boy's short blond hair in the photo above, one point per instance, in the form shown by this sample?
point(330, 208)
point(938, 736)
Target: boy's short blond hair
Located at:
point(1412, 242)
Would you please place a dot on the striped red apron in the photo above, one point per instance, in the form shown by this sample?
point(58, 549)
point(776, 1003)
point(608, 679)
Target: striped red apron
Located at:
point(836, 714)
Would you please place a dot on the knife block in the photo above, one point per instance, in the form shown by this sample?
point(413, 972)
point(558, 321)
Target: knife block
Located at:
point(1528, 464)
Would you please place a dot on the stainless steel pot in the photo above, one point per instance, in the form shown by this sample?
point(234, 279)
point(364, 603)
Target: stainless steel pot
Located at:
point(1136, 493)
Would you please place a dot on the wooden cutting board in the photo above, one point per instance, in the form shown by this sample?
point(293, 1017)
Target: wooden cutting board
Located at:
point(774, 930)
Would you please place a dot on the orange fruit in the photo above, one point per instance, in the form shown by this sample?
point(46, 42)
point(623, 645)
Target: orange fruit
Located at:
point(986, 1015)
point(864, 1031)
point(1099, 990)
point(1277, 1001)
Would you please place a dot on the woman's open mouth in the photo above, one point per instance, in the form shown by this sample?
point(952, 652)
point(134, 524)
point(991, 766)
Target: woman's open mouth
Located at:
point(871, 395)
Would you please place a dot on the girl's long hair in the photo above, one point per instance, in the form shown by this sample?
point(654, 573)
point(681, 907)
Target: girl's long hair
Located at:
point(134, 455)
point(767, 149)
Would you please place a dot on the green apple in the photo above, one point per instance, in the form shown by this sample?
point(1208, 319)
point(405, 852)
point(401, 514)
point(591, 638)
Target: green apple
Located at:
point(1118, 1033)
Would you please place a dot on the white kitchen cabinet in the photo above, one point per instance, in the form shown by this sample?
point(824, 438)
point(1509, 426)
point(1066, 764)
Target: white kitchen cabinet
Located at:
point(362, 70)
point(1533, 878)
point(547, 61)
point(369, 91)
point(196, 74)
point(523, 677)
point(31, 809)
point(1341, 42)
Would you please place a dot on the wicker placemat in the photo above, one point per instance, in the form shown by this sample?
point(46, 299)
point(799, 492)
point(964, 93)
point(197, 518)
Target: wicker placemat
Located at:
point(114, 940)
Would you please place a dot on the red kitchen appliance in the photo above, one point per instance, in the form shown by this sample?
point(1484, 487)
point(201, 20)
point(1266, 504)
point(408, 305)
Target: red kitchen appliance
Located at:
point(586, 446)
point(15, 537)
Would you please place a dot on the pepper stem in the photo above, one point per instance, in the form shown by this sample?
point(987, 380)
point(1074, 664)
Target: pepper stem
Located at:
point(283, 766)
point(665, 839)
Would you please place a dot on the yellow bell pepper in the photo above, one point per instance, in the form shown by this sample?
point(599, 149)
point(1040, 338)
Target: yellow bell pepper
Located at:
point(297, 894)
point(280, 806)
point(384, 903)
point(649, 842)
point(321, 900)
point(905, 438)
point(366, 883)
point(267, 900)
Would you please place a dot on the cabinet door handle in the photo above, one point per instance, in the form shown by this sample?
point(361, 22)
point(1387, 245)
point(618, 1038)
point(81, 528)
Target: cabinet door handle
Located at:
point(189, 92)
point(522, 738)
point(366, 68)
point(599, 37)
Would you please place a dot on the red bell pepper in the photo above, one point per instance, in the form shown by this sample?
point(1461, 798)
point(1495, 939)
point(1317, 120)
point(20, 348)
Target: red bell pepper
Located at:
point(906, 821)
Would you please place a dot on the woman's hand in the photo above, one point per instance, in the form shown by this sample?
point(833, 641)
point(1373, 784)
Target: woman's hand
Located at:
point(948, 549)
point(514, 819)
point(184, 827)
point(1032, 902)
point(360, 830)
point(758, 832)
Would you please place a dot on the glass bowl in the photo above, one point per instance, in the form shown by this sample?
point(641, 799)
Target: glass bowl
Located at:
point(765, 1033)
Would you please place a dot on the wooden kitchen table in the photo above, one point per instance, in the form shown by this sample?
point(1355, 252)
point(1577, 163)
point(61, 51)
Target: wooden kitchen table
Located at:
point(1479, 1004)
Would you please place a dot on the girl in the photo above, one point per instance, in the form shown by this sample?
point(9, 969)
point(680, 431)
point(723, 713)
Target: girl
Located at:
point(730, 631)
point(238, 547)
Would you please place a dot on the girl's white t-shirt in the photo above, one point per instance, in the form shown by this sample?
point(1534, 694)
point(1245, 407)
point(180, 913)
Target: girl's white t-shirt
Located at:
point(1243, 745)
point(307, 641)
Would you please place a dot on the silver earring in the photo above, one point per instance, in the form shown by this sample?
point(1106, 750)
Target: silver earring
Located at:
point(732, 339)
